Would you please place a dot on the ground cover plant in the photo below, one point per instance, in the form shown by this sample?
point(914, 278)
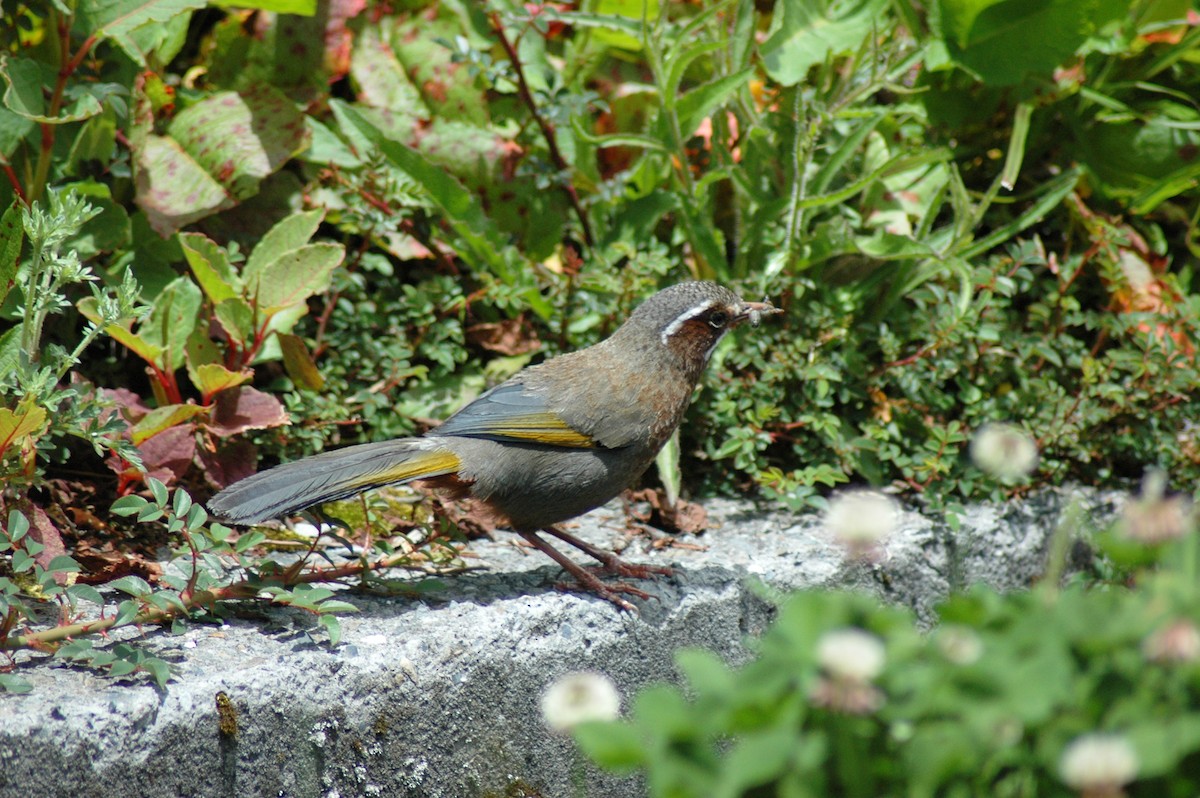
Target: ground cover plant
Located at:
point(235, 236)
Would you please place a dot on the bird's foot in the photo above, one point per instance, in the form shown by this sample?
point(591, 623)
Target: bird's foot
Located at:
point(611, 562)
point(587, 581)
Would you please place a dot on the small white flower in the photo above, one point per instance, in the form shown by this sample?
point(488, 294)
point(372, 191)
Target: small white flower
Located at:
point(851, 655)
point(861, 520)
point(1154, 517)
point(578, 697)
point(1004, 451)
point(1178, 642)
point(1098, 764)
point(959, 645)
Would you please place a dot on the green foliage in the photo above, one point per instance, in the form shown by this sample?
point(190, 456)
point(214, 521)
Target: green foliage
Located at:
point(207, 568)
point(38, 411)
point(983, 705)
point(355, 221)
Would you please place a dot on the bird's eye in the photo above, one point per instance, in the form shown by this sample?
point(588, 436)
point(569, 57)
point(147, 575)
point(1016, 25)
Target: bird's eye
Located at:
point(718, 319)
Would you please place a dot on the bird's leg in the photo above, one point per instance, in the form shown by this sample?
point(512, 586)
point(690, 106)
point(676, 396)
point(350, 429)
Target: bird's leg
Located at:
point(588, 581)
point(609, 560)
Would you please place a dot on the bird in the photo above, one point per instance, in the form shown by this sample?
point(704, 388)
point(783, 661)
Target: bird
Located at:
point(553, 441)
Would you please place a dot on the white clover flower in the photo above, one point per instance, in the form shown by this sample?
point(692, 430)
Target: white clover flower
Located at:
point(851, 655)
point(861, 520)
point(1004, 451)
point(1154, 517)
point(1178, 642)
point(1098, 764)
point(959, 644)
point(579, 697)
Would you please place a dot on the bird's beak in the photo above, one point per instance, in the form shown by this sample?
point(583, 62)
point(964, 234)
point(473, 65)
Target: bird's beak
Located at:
point(754, 311)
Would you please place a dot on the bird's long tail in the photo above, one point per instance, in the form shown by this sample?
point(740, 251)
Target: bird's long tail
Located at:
point(329, 476)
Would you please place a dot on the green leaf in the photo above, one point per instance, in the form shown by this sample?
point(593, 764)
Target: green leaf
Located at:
point(210, 264)
point(813, 31)
point(700, 103)
point(25, 95)
point(133, 585)
point(12, 236)
point(162, 418)
point(294, 277)
point(11, 683)
point(618, 746)
point(211, 378)
point(1003, 41)
point(118, 19)
point(336, 605)
point(333, 627)
point(126, 611)
point(129, 505)
point(64, 564)
point(82, 592)
point(462, 209)
point(218, 153)
point(172, 318)
point(159, 490)
point(237, 318)
point(289, 235)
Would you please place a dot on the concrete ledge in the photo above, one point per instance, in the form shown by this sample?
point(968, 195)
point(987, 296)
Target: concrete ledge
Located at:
point(440, 697)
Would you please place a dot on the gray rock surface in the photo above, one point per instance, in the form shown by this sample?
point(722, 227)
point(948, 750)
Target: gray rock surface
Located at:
point(439, 697)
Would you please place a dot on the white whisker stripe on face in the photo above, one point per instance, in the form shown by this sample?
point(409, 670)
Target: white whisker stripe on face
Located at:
point(691, 313)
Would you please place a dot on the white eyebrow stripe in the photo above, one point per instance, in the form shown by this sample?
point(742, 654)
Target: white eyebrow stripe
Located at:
point(679, 321)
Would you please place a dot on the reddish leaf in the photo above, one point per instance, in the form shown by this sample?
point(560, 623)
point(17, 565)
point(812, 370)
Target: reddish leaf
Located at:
point(168, 455)
point(43, 530)
point(244, 408)
point(230, 462)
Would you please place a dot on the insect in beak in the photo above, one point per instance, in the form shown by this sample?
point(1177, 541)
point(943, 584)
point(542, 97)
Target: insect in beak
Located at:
point(754, 311)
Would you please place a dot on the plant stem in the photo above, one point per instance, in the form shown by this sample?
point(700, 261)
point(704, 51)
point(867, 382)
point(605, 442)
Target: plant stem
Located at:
point(548, 132)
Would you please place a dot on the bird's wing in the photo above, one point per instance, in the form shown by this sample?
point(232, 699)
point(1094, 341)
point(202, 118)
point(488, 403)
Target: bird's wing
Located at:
point(512, 412)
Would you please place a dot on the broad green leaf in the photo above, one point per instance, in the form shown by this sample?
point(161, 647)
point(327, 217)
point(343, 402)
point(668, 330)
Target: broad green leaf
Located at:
point(25, 94)
point(237, 318)
point(118, 19)
point(213, 377)
point(284, 238)
point(814, 30)
point(1003, 41)
point(462, 209)
point(173, 316)
point(218, 152)
point(172, 188)
point(240, 138)
point(626, 35)
point(383, 81)
point(23, 422)
point(210, 264)
point(302, 7)
point(161, 418)
point(294, 277)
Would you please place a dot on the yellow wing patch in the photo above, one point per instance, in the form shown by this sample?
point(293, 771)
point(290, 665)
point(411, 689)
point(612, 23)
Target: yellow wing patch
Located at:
point(425, 464)
point(545, 428)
